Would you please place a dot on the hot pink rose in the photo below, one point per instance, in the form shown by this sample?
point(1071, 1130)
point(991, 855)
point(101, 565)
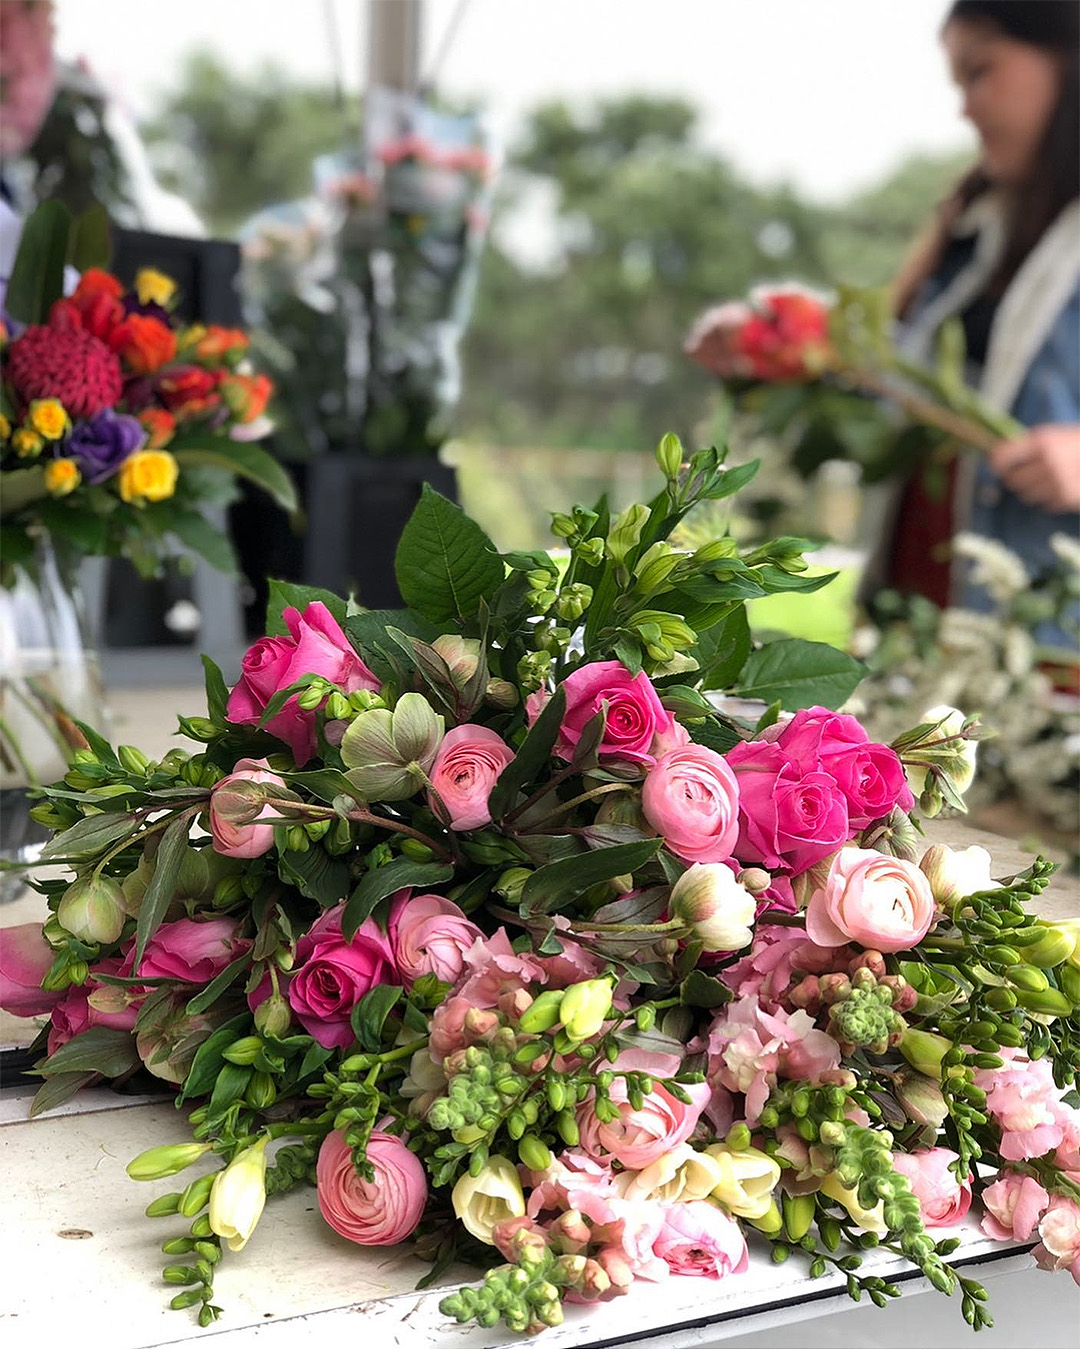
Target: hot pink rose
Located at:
point(469, 761)
point(880, 902)
point(74, 1013)
point(691, 797)
point(374, 1213)
point(1059, 1234)
point(1013, 1205)
point(636, 718)
point(699, 1239)
point(192, 950)
point(942, 1199)
point(638, 1137)
point(429, 936)
point(331, 975)
point(814, 735)
point(25, 959)
point(242, 841)
point(315, 646)
point(788, 818)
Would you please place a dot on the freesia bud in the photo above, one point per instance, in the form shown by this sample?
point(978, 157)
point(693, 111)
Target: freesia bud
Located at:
point(238, 1196)
point(165, 1161)
point(92, 910)
point(584, 1008)
point(924, 1050)
point(717, 907)
point(1056, 947)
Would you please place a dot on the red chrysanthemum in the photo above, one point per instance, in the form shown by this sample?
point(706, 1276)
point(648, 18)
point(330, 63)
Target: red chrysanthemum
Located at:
point(67, 364)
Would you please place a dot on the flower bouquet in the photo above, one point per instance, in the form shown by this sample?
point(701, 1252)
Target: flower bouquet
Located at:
point(486, 919)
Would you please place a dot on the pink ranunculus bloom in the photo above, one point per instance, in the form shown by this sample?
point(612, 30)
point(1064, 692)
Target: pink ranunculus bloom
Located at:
point(1025, 1103)
point(1013, 1206)
point(788, 819)
point(942, 1199)
point(635, 719)
point(374, 1213)
point(315, 645)
point(193, 950)
point(25, 959)
point(74, 1013)
point(243, 841)
point(429, 935)
point(691, 798)
point(331, 975)
point(1059, 1234)
point(699, 1239)
point(469, 761)
point(638, 1137)
point(880, 902)
point(749, 1049)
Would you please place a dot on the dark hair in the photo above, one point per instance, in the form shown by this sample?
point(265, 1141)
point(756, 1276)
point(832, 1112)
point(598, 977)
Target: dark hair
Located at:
point(1053, 26)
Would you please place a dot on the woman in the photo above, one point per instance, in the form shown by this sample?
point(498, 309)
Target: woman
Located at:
point(1004, 256)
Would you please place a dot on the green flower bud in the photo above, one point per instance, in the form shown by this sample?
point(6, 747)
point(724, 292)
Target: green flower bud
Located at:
point(590, 552)
point(133, 760)
point(92, 910)
point(1029, 979)
point(543, 1013)
point(669, 455)
point(338, 707)
point(165, 1161)
point(178, 1246)
point(625, 532)
point(187, 1299)
point(1054, 948)
point(1045, 1002)
point(534, 1153)
point(181, 1275)
point(769, 1223)
point(563, 526)
point(195, 1197)
point(584, 1008)
point(924, 1051)
point(261, 1091)
point(163, 1206)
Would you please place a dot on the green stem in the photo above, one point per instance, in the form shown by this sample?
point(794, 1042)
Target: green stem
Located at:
point(541, 793)
point(161, 824)
point(563, 807)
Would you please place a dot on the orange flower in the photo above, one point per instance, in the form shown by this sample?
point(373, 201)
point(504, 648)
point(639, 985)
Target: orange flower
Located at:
point(160, 427)
point(143, 343)
point(218, 343)
point(247, 395)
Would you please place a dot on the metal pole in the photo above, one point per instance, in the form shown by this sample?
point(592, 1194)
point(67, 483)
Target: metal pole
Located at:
point(394, 43)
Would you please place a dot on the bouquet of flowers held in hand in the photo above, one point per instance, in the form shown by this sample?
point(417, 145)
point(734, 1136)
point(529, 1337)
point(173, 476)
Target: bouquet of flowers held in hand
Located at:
point(482, 919)
point(119, 423)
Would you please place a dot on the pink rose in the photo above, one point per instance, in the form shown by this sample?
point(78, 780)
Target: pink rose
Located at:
point(880, 902)
point(25, 960)
point(691, 798)
point(374, 1213)
point(331, 976)
point(315, 646)
point(942, 1199)
point(1013, 1205)
point(872, 779)
point(635, 720)
point(817, 734)
point(788, 819)
point(192, 950)
point(1059, 1234)
point(699, 1239)
point(242, 841)
point(75, 1012)
point(469, 760)
point(429, 936)
point(637, 1137)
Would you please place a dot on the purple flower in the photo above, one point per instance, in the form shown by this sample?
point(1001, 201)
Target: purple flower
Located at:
point(102, 443)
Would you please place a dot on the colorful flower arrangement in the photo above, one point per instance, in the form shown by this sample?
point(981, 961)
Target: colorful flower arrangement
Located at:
point(116, 416)
point(481, 917)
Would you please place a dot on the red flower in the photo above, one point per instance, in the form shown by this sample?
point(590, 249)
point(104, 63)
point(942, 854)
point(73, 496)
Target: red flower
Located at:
point(160, 427)
point(143, 343)
point(188, 391)
point(73, 366)
point(787, 336)
point(95, 282)
point(246, 395)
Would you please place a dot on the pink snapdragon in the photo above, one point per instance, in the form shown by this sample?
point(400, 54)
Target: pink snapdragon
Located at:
point(1026, 1104)
point(943, 1198)
point(1059, 1238)
point(1013, 1206)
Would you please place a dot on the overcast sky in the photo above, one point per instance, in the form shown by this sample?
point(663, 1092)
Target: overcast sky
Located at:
point(828, 94)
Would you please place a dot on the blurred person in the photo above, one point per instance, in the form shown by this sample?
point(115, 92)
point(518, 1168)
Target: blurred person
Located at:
point(1003, 255)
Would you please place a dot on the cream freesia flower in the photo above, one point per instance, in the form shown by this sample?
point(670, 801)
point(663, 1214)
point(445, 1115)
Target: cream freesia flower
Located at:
point(238, 1195)
point(747, 1180)
point(682, 1175)
point(482, 1201)
point(870, 1220)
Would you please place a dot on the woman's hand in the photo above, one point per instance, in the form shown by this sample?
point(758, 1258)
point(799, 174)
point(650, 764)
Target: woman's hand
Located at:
point(1043, 467)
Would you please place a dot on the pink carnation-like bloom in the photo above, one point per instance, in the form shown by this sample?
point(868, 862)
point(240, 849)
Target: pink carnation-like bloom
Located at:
point(492, 968)
point(882, 903)
point(1013, 1206)
point(636, 719)
point(468, 763)
point(331, 975)
point(699, 1239)
point(942, 1199)
point(374, 1213)
point(1059, 1234)
point(768, 969)
point(192, 950)
point(638, 1137)
point(429, 936)
point(1026, 1104)
point(691, 798)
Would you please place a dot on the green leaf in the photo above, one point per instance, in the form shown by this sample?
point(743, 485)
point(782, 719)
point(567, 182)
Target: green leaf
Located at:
point(699, 990)
point(326, 784)
point(104, 1050)
point(316, 875)
point(90, 244)
point(800, 674)
point(369, 633)
point(209, 1057)
point(445, 563)
point(383, 881)
point(231, 1084)
point(57, 1089)
point(90, 836)
point(715, 734)
point(85, 529)
point(100, 746)
point(21, 487)
point(217, 986)
point(162, 886)
point(217, 693)
point(558, 883)
point(278, 700)
point(285, 595)
point(202, 538)
point(37, 278)
point(370, 1014)
point(246, 460)
point(721, 650)
point(730, 481)
point(531, 758)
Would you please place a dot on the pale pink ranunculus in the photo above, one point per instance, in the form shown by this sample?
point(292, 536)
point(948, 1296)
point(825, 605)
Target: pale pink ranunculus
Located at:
point(789, 818)
point(1013, 1206)
point(469, 761)
point(429, 935)
point(699, 1239)
point(375, 1213)
point(943, 1200)
point(637, 1137)
point(243, 841)
point(1059, 1238)
point(315, 645)
point(193, 950)
point(880, 902)
point(331, 976)
point(691, 798)
point(74, 1013)
point(1026, 1105)
point(25, 960)
point(635, 719)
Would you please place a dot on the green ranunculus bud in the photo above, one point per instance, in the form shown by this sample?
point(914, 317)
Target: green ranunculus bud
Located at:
point(92, 910)
point(625, 532)
point(165, 1161)
point(501, 694)
point(132, 759)
point(669, 455)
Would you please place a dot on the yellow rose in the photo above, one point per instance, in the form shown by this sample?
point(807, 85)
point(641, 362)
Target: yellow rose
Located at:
point(5, 428)
point(27, 443)
point(747, 1180)
point(871, 1220)
point(482, 1201)
point(154, 287)
point(148, 475)
point(679, 1176)
point(62, 476)
point(49, 418)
